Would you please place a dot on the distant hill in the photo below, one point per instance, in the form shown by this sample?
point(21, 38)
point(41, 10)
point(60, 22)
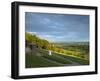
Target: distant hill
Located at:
point(71, 43)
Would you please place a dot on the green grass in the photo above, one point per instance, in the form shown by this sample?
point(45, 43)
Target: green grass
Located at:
point(57, 59)
point(54, 57)
point(46, 60)
point(76, 59)
point(33, 61)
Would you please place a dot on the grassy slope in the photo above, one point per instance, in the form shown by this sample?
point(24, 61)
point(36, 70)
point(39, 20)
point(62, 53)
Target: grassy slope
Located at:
point(57, 59)
point(76, 59)
point(54, 57)
point(36, 61)
point(78, 46)
point(32, 60)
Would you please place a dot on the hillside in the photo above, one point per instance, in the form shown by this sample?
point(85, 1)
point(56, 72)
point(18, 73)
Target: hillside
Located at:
point(41, 58)
point(79, 49)
point(62, 54)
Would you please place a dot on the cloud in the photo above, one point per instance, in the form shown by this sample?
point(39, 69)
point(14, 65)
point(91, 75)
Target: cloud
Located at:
point(58, 27)
point(32, 32)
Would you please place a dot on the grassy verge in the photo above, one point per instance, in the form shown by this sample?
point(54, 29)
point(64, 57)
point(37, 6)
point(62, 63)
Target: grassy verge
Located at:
point(76, 59)
point(57, 59)
point(33, 61)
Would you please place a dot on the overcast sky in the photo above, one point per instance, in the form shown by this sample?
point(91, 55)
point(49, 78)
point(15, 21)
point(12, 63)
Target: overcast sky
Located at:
point(58, 27)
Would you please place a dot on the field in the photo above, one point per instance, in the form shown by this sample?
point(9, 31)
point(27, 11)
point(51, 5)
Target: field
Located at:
point(76, 54)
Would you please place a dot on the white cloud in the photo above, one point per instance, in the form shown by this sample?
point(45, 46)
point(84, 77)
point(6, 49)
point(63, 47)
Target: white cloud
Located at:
point(32, 32)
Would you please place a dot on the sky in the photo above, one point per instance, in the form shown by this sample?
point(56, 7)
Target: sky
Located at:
point(58, 27)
